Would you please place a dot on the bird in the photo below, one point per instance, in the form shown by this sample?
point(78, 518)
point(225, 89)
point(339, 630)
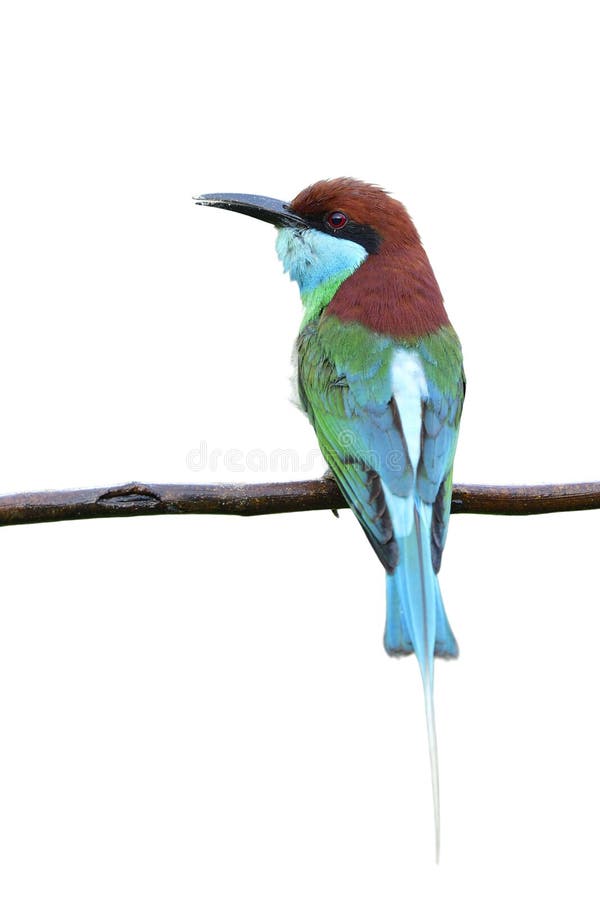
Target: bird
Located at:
point(380, 376)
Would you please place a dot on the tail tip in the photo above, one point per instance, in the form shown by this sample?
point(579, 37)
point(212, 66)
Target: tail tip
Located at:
point(396, 648)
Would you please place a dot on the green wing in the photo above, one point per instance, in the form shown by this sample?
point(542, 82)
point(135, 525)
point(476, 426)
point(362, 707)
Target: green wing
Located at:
point(345, 387)
point(442, 361)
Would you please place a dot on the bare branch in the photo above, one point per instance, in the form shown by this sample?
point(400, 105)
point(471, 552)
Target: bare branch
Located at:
point(260, 499)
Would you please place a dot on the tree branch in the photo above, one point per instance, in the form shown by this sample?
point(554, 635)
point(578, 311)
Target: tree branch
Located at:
point(260, 499)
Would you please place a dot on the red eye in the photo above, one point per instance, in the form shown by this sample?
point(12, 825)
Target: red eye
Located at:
point(337, 220)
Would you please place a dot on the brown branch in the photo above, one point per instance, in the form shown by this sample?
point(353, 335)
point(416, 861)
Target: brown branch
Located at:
point(260, 499)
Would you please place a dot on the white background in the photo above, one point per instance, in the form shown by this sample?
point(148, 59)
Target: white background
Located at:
point(201, 707)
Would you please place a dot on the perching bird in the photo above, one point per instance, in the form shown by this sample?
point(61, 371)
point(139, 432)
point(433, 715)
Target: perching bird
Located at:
point(380, 377)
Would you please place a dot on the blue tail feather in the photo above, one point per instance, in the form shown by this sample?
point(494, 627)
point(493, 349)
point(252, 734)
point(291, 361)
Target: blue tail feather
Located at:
point(396, 639)
point(416, 620)
point(445, 642)
point(405, 600)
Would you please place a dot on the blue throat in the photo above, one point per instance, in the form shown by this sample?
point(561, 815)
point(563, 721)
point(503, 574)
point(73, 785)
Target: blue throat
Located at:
point(313, 258)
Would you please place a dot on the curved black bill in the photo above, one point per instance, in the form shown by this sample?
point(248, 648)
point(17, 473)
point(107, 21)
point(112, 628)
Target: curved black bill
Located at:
point(265, 208)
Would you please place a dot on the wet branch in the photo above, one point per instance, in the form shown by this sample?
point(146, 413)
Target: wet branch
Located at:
point(262, 499)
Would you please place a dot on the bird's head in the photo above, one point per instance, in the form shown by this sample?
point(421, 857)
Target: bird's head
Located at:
point(329, 229)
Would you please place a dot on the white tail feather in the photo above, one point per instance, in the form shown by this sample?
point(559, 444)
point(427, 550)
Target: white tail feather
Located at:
point(433, 757)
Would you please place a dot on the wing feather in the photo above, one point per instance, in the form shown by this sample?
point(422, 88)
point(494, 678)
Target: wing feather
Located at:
point(350, 403)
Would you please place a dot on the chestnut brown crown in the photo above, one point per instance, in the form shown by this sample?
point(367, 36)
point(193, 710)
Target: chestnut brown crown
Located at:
point(363, 204)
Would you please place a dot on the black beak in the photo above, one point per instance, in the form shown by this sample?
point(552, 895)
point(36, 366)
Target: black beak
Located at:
point(265, 208)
